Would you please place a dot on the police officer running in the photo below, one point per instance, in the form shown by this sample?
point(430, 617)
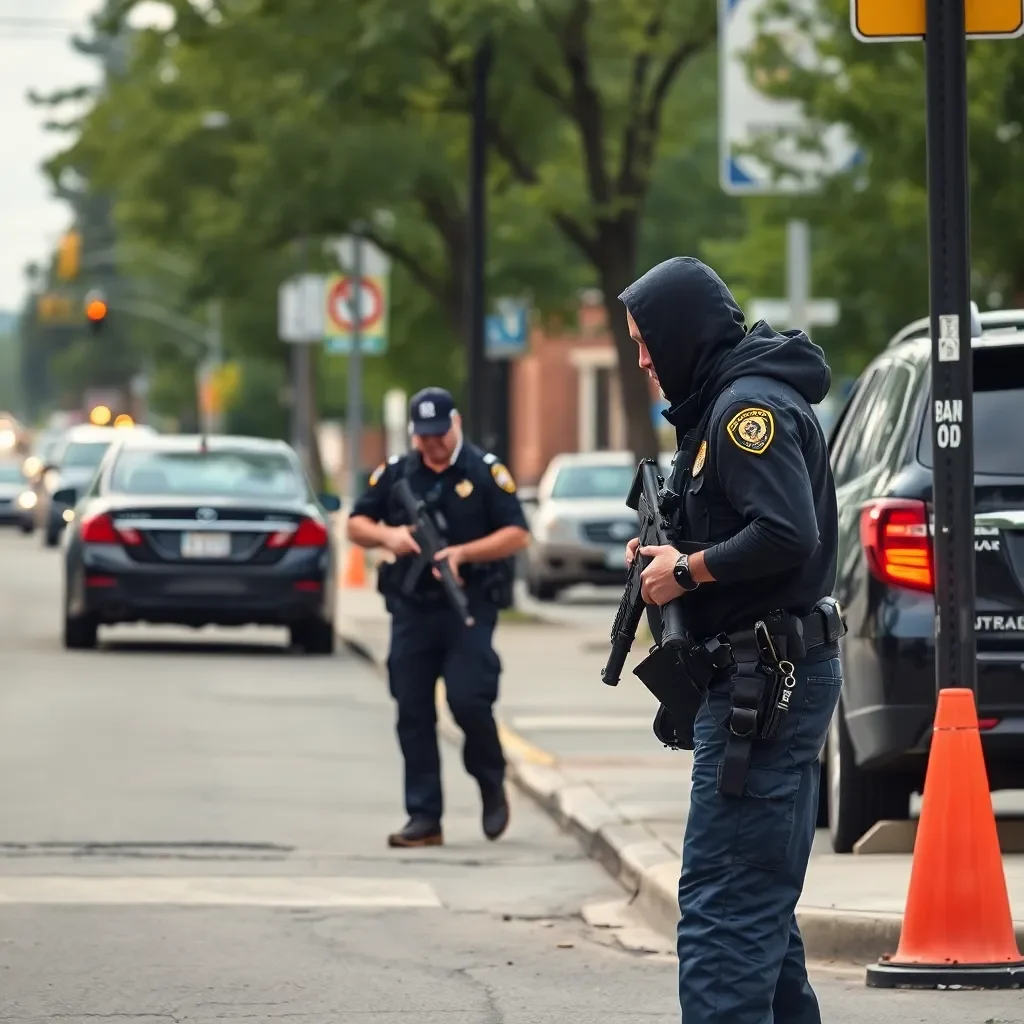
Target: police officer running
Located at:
point(471, 498)
point(757, 521)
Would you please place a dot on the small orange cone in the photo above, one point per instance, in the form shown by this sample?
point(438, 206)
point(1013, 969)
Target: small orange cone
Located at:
point(957, 928)
point(354, 575)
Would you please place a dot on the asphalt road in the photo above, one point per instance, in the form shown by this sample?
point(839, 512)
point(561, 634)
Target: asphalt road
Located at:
point(192, 829)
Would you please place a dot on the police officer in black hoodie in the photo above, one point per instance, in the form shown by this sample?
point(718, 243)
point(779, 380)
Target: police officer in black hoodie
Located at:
point(758, 517)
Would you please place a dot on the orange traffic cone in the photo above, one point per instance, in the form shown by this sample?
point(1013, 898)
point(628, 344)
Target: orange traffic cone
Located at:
point(957, 928)
point(354, 575)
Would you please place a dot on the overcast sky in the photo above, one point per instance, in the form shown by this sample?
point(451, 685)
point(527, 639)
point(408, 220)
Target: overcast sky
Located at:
point(35, 53)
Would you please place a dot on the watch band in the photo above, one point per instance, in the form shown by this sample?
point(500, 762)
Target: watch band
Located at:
point(682, 574)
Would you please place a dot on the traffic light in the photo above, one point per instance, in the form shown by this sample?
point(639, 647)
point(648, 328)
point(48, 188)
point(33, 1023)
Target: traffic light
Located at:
point(69, 255)
point(96, 311)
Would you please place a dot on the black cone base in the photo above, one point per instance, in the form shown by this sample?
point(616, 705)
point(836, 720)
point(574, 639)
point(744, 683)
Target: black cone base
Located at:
point(887, 974)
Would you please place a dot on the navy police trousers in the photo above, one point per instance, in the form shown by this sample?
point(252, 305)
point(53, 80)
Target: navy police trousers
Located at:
point(741, 958)
point(428, 644)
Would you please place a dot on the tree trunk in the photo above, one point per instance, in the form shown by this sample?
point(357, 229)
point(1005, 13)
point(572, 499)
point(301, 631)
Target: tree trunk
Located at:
point(616, 249)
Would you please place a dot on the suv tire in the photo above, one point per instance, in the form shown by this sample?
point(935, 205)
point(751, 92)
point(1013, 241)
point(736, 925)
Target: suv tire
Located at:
point(540, 591)
point(858, 799)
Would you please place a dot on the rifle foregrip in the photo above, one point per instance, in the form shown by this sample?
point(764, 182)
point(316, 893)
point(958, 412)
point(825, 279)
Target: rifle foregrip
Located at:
point(612, 671)
point(673, 632)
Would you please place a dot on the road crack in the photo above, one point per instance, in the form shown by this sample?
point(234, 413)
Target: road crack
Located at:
point(495, 1015)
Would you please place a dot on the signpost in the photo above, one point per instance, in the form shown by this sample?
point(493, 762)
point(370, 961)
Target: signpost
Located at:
point(945, 26)
point(798, 309)
point(748, 119)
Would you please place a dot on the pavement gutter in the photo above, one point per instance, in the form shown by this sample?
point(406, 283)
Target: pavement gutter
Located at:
point(644, 866)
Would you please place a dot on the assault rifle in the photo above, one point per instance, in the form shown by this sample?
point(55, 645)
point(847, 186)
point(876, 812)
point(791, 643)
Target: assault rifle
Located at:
point(653, 503)
point(430, 541)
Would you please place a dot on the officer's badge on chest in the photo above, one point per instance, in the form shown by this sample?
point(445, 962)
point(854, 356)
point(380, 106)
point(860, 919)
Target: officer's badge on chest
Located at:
point(701, 458)
point(464, 488)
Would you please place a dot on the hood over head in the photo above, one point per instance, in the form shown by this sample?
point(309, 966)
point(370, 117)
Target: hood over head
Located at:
point(695, 333)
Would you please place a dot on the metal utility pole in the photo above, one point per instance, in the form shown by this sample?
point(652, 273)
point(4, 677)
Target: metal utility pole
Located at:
point(354, 424)
point(215, 359)
point(798, 273)
point(302, 362)
point(952, 368)
point(477, 383)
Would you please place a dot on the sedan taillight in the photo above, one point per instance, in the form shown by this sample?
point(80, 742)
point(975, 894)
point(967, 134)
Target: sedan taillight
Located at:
point(308, 534)
point(100, 529)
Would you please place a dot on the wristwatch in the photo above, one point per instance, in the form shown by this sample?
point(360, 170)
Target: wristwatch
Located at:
point(682, 575)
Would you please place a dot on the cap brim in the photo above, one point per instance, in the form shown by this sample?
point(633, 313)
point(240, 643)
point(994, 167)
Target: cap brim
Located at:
point(432, 428)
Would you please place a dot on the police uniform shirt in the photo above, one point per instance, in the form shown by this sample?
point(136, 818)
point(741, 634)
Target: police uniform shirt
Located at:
point(475, 496)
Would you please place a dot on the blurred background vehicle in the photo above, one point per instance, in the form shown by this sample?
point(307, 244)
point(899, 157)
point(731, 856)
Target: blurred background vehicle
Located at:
point(73, 463)
point(877, 747)
point(581, 524)
point(12, 489)
point(198, 531)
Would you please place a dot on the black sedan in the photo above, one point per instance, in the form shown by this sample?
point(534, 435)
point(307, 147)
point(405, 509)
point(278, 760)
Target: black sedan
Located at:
point(200, 531)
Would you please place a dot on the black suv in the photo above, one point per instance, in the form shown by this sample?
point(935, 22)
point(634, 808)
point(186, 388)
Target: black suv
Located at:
point(881, 449)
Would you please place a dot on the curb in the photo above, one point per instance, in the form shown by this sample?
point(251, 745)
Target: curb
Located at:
point(645, 867)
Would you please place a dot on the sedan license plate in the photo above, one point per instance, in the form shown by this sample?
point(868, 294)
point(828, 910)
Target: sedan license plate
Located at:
point(205, 545)
point(615, 558)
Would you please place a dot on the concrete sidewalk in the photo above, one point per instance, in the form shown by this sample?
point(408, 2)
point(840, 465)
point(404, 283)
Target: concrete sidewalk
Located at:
point(586, 753)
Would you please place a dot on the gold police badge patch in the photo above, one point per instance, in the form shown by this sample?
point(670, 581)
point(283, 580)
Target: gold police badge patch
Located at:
point(698, 462)
point(503, 478)
point(377, 474)
point(753, 430)
point(464, 488)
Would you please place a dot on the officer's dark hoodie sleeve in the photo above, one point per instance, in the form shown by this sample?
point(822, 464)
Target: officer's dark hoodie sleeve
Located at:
point(755, 449)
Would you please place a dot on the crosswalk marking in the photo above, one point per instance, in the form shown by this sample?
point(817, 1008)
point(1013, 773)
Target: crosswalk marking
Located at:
point(576, 723)
point(233, 891)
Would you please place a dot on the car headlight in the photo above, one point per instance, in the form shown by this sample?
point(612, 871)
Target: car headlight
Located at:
point(27, 499)
point(556, 531)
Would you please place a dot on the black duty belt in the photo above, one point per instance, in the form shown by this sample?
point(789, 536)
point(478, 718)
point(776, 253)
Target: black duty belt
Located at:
point(761, 699)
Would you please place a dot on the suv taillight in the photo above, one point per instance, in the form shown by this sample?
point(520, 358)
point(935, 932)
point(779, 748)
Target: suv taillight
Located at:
point(895, 536)
point(100, 530)
point(309, 534)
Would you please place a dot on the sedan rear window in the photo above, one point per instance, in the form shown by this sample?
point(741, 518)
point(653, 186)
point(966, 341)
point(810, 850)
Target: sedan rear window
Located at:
point(215, 474)
point(998, 413)
point(84, 454)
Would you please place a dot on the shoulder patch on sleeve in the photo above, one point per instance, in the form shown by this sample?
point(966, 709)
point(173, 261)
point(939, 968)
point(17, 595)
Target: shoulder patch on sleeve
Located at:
point(490, 459)
point(752, 430)
point(394, 460)
point(377, 474)
point(503, 478)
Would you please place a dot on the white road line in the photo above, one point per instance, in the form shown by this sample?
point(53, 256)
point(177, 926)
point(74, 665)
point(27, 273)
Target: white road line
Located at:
point(223, 891)
point(579, 723)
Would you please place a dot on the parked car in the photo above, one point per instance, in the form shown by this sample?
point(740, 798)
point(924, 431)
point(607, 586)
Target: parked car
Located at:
point(74, 461)
point(196, 531)
point(13, 487)
point(881, 453)
point(581, 524)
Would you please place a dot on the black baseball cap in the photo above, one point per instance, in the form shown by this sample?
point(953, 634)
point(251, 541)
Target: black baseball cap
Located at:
point(430, 412)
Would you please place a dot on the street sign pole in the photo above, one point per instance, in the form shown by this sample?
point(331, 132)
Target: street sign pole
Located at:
point(952, 377)
point(354, 426)
point(798, 272)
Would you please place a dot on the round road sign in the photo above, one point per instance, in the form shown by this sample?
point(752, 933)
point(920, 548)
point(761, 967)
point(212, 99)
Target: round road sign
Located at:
point(340, 306)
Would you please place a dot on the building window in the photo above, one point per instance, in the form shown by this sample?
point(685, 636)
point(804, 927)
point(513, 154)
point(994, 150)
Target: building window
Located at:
point(602, 409)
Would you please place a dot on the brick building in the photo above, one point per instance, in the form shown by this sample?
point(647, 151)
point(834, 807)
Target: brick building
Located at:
point(565, 395)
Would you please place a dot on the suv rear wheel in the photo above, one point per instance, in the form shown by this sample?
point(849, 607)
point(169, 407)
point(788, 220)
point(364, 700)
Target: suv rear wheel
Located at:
point(858, 799)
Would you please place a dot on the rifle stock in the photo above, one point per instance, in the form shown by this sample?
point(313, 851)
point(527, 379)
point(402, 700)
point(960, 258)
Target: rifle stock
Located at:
point(430, 542)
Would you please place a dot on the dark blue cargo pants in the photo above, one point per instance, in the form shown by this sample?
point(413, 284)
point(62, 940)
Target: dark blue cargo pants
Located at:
point(426, 645)
point(741, 958)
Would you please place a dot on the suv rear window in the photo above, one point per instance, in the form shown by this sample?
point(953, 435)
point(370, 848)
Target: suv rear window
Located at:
point(998, 413)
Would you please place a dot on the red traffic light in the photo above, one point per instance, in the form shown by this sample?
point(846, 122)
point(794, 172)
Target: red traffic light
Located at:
point(96, 310)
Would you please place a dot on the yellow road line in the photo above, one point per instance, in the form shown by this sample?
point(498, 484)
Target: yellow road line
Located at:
point(515, 746)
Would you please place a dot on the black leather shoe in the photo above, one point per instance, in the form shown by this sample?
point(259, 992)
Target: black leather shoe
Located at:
point(496, 815)
point(417, 832)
